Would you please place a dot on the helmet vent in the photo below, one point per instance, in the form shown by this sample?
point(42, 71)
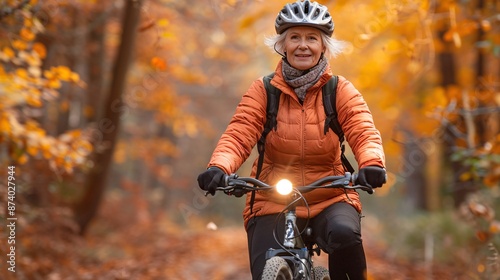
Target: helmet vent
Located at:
point(306, 7)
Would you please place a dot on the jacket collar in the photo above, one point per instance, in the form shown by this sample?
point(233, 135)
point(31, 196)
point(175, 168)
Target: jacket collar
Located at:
point(279, 82)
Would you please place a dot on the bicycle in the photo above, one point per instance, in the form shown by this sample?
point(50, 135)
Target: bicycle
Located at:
point(294, 260)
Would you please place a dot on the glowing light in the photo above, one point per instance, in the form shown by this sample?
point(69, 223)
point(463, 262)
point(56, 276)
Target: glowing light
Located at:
point(284, 187)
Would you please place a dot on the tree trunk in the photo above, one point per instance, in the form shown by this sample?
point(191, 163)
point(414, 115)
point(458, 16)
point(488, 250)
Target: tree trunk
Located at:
point(109, 125)
point(95, 70)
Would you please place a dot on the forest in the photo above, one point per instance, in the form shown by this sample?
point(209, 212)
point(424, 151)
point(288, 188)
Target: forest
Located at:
point(109, 110)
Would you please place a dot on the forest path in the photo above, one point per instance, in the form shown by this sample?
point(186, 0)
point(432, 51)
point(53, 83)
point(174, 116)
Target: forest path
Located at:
point(221, 255)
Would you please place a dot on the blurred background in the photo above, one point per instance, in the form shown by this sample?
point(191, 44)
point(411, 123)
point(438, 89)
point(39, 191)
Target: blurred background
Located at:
point(110, 109)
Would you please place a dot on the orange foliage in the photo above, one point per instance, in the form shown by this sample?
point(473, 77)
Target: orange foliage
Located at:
point(23, 85)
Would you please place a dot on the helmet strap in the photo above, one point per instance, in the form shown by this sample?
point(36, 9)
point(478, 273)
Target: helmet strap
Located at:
point(283, 55)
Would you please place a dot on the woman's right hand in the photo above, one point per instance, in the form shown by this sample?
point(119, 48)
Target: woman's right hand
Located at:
point(210, 179)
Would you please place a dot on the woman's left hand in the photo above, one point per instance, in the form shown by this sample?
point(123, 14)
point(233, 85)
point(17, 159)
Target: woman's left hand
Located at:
point(372, 176)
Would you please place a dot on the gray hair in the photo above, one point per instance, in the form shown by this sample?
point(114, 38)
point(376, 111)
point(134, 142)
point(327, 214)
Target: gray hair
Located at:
point(333, 46)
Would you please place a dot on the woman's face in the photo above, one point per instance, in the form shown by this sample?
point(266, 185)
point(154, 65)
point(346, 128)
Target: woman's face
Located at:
point(303, 47)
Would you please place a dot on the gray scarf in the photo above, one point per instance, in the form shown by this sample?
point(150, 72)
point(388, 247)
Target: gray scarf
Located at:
point(302, 80)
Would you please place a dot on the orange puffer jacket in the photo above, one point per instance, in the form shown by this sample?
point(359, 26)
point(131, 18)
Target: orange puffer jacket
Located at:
point(298, 149)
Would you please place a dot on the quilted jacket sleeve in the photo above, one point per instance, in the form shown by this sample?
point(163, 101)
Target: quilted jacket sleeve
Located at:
point(243, 131)
point(358, 125)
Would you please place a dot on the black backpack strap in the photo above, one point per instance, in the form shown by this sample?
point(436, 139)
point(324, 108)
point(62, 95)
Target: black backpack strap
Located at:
point(273, 100)
point(330, 105)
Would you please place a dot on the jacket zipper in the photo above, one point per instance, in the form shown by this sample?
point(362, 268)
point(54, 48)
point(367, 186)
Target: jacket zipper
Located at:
point(302, 144)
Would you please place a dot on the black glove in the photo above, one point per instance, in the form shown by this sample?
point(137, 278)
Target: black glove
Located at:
point(371, 176)
point(211, 179)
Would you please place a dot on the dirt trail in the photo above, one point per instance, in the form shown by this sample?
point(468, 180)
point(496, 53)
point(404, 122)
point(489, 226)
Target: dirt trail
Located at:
point(222, 255)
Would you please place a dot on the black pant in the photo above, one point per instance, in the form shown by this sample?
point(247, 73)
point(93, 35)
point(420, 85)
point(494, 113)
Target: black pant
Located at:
point(336, 230)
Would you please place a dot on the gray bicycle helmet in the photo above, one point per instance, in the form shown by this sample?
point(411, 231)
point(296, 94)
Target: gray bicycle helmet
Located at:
point(304, 13)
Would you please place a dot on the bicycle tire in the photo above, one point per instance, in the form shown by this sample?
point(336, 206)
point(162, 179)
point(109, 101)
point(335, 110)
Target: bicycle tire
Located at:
point(277, 268)
point(321, 273)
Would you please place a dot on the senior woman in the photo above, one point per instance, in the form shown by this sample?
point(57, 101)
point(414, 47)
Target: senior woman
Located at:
point(299, 149)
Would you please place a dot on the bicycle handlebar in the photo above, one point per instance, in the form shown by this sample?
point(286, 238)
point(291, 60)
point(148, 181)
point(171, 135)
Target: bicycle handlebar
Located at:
point(235, 185)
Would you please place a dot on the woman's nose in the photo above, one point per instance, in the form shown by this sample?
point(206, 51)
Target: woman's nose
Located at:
point(302, 44)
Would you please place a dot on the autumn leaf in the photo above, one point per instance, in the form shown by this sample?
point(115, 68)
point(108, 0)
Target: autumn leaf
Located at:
point(19, 45)
point(33, 101)
point(495, 227)
point(22, 73)
point(54, 84)
point(26, 34)
point(74, 77)
point(7, 53)
point(482, 235)
point(63, 72)
point(22, 159)
point(465, 176)
point(40, 49)
point(159, 63)
point(163, 22)
point(82, 147)
point(4, 124)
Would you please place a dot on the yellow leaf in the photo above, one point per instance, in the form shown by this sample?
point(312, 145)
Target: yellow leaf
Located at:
point(167, 35)
point(32, 150)
point(74, 77)
point(64, 73)
point(68, 167)
point(40, 49)
point(54, 83)
point(45, 148)
point(22, 159)
point(75, 133)
point(49, 74)
point(26, 34)
point(19, 45)
point(28, 22)
point(5, 126)
point(22, 73)
point(465, 176)
point(8, 52)
point(34, 92)
point(31, 125)
point(82, 148)
point(163, 22)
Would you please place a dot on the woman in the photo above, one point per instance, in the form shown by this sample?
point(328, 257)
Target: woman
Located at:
point(299, 149)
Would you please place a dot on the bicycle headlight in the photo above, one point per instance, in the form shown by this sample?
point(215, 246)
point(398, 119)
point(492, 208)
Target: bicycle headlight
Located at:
point(284, 187)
